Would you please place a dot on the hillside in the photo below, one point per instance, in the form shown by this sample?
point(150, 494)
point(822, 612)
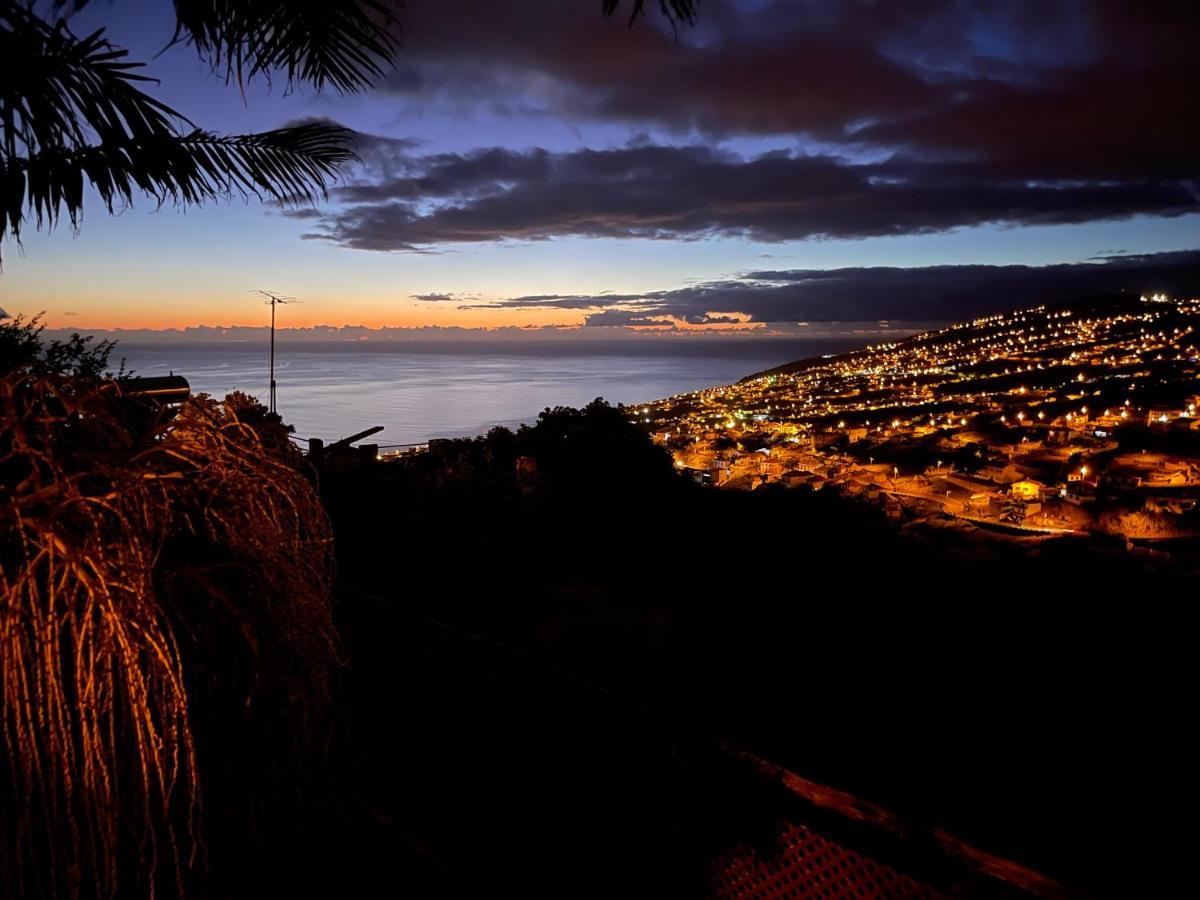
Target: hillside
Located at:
point(1097, 307)
point(1091, 405)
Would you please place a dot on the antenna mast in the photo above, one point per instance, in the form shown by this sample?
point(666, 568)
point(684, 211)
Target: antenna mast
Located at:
point(273, 300)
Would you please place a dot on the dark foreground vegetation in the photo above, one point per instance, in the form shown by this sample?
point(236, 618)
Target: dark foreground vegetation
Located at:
point(1028, 697)
point(540, 637)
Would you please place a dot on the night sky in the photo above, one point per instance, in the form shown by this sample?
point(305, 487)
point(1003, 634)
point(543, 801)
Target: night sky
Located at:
point(533, 163)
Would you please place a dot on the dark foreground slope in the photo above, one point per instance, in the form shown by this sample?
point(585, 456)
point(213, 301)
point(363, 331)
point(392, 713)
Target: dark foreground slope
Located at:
point(1031, 699)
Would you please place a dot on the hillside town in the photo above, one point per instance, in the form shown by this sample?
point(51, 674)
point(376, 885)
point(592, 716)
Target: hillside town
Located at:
point(1070, 418)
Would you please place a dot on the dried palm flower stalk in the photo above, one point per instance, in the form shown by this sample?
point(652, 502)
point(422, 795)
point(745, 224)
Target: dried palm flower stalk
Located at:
point(107, 507)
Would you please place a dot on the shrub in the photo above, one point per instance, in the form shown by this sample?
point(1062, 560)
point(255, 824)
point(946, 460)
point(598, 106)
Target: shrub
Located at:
point(159, 571)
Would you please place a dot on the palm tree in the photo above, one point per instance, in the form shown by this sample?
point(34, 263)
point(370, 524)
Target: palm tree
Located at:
point(73, 110)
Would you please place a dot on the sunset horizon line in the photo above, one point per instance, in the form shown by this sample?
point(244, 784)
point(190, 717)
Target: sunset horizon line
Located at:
point(361, 333)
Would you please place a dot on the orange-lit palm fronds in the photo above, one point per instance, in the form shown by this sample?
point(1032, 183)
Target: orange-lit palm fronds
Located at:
point(100, 500)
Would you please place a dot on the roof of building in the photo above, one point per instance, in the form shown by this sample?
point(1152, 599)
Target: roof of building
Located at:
point(167, 388)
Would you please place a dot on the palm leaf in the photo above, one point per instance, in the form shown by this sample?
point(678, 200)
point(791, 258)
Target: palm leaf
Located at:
point(344, 44)
point(72, 112)
point(57, 89)
point(288, 165)
point(672, 10)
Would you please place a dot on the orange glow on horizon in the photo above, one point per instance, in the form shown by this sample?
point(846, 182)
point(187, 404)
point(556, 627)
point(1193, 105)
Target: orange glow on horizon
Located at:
point(403, 312)
point(135, 316)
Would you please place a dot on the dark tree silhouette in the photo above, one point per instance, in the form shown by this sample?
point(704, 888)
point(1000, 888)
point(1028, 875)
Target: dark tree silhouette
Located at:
point(23, 351)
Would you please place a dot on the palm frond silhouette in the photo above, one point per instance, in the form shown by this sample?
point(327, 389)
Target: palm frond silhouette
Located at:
point(672, 10)
point(344, 44)
point(74, 110)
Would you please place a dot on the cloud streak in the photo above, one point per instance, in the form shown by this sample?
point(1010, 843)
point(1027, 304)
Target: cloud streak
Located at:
point(695, 192)
point(919, 294)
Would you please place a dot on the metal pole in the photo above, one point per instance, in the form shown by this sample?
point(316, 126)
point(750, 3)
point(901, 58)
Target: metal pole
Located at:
point(274, 300)
point(272, 402)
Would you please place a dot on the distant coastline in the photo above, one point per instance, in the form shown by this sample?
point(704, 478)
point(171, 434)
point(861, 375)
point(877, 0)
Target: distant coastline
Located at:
point(445, 388)
point(343, 335)
point(724, 347)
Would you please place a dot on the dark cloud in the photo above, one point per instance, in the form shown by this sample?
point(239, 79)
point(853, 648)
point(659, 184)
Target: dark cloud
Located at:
point(913, 117)
point(654, 191)
point(560, 301)
point(782, 67)
point(920, 294)
point(1057, 89)
point(433, 298)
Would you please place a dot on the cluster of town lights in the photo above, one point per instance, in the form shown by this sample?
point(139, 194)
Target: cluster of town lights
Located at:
point(954, 381)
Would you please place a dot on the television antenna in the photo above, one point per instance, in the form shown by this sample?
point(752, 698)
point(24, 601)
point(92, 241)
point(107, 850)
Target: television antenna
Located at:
point(272, 299)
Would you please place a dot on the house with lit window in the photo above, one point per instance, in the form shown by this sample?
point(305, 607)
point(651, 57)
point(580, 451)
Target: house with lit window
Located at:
point(1027, 490)
point(1001, 474)
point(1170, 476)
point(1162, 415)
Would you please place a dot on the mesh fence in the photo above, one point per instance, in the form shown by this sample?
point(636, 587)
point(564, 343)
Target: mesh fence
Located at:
point(803, 864)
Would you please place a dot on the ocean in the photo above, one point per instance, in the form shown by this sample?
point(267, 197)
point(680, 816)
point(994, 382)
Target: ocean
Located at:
point(453, 389)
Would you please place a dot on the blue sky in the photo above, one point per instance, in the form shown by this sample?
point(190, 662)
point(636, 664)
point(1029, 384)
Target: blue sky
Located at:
point(170, 267)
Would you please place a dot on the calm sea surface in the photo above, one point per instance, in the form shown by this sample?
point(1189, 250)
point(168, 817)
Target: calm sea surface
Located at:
point(447, 390)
